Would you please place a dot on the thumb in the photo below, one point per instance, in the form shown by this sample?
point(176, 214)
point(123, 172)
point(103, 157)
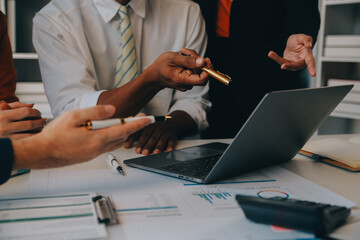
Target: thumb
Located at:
point(190, 62)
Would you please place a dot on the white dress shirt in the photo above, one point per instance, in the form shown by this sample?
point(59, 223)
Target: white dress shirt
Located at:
point(78, 44)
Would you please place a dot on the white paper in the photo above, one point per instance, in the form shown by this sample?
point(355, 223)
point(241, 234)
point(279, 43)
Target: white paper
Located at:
point(65, 216)
point(161, 207)
point(58, 181)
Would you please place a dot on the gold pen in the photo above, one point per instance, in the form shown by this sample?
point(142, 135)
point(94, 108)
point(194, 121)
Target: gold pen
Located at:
point(225, 79)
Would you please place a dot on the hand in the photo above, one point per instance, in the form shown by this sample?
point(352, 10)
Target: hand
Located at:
point(18, 118)
point(297, 55)
point(155, 138)
point(175, 71)
point(163, 136)
point(65, 141)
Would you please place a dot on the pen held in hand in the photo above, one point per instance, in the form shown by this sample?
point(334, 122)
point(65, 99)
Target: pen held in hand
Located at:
point(93, 125)
point(225, 79)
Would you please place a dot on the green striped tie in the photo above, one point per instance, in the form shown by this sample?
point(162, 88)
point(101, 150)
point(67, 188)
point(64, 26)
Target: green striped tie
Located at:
point(126, 68)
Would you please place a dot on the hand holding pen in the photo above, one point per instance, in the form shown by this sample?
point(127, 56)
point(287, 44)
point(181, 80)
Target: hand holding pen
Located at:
point(223, 78)
point(93, 125)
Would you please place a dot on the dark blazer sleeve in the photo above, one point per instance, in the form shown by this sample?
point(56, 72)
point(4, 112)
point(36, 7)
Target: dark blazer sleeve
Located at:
point(302, 16)
point(6, 159)
point(7, 69)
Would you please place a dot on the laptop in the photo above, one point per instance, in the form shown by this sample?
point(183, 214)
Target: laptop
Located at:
point(277, 129)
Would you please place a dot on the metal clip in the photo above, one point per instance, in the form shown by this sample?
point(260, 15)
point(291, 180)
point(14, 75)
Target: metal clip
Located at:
point(105, 210)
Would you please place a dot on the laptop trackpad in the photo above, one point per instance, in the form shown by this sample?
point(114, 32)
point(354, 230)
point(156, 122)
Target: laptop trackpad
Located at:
point(191, 153)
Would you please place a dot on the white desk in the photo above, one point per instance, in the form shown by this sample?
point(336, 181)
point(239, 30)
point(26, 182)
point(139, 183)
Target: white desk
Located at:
point(339, 181)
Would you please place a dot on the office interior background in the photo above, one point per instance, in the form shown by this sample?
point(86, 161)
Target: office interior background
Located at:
point(339, 18)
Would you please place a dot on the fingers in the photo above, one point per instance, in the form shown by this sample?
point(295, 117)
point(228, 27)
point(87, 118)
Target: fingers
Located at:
point(189, 79)
point(20, 105)
point(161, 144)
point(171, 144)
point(79, 117)
point(189, 52)
point(305, 39)
point(144, 137)
point(276, 58)
point(310, 63)
point(21, 113)
point(166, 142)
point(294, 65)
point(22, 126)
point(156, 139)
point(151, 142)
point(123, 131)
point(140, 114)
point(191, 62)
point(208, 63)
point(130, 141)
point(4, 105)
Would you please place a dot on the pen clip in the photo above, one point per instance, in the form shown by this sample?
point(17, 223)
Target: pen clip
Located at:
point(223, 74)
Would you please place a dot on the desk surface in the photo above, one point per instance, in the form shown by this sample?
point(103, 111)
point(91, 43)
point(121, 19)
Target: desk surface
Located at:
point(337, 180)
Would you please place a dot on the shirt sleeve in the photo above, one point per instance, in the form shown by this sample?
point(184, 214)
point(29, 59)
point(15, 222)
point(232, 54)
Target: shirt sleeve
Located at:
point(194, 102)
point(302, 16)
point(7, 69)
point(6, 159)
point(69, 77)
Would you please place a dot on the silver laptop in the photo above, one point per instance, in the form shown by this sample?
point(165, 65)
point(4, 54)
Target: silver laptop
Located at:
point(274, 133)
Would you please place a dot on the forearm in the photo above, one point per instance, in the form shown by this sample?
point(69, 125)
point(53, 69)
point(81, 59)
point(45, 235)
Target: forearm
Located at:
point(132, 97)
point(302, 16)
point(30, 153)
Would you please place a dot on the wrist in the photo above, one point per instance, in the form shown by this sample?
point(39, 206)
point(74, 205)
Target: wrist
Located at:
point(29, 153)
point(151, 78)
point(183, 123)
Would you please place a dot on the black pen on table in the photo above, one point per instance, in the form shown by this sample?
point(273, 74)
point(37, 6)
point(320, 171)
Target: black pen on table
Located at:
point(114, 164)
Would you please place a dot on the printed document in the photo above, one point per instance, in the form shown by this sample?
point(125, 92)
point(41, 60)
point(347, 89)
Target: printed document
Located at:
point(158, 207)
point(60, 216)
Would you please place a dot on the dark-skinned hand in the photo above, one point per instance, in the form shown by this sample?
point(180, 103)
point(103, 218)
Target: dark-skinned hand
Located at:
point(155, 138)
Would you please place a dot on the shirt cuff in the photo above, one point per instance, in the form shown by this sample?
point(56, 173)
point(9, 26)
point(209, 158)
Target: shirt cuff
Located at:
point(196, 112)
point(90, 99)
point(7, 159)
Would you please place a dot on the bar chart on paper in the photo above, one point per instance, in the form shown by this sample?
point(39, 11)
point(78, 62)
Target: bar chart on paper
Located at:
point(213, 196)
point(218, 195)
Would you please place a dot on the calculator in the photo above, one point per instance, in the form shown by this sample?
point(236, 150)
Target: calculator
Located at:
point(317, 218)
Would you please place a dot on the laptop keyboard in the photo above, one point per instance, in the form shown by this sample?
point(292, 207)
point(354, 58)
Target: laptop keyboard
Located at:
point(195, 168)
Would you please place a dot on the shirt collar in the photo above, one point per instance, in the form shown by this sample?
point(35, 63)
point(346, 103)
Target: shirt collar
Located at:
point(109, 8)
